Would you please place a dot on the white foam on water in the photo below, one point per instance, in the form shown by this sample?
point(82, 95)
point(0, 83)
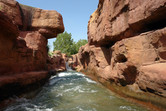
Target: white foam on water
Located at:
point(63, 74)
point(58, 95)
point(53, 77)
point(23, 101)
point(79, 108)
point(54, 81)
point(62, 86)
point(77, 88)
point(112, 97)
point(93, 91)
point(38, 109)
point(127, 108)
point(90, 81)
point(20, 106)
point(79, 74)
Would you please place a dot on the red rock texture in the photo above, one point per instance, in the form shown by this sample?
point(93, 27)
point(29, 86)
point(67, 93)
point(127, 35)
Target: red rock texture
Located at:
point(57, 62)
point(47, 22)
point(12, 9)
point(73, 61)
point(24, 32)
point(118, 19)
point(152, 78)
point(127, 46)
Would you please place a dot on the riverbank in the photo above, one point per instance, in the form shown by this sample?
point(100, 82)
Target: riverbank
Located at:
point(148, 100)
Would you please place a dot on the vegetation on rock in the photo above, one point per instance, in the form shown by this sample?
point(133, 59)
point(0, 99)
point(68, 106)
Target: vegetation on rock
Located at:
point(65, 44)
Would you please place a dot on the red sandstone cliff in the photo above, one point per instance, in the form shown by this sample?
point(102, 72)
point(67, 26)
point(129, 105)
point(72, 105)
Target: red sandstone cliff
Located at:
point(127, 47)
point(24, 32)
point(57, 62)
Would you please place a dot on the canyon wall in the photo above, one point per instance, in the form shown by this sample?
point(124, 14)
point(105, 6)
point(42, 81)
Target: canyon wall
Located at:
point(24, 32)
point(57, 62)
point(127, 48)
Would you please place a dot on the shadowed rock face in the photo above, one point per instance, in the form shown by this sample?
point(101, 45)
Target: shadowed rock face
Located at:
point(24, 32)
point(127, 45)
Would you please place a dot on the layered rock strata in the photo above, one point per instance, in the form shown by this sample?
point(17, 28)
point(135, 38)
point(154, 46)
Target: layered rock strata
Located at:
point(24, 32)
point(127, 47)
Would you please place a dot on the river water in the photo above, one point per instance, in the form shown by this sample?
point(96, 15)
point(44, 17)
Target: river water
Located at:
point(72, 91)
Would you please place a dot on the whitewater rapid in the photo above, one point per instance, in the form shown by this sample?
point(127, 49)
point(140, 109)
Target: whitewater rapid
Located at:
point(73, 91)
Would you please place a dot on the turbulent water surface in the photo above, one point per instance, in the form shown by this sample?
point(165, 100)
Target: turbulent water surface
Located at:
point(72, 91)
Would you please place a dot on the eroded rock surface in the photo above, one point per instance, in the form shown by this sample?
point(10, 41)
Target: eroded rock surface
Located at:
point(57, 62)
point(118, 19)
point(24, 32)
point(127, 46)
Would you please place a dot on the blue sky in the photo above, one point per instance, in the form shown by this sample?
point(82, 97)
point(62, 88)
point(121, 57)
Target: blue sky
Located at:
point(76, 14)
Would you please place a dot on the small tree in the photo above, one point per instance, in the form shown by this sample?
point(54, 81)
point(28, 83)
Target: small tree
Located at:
point(65, 44)
point(80, 43)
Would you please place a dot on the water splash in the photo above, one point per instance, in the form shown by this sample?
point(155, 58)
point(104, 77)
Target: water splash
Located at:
point(73, 91)
point(67, 67)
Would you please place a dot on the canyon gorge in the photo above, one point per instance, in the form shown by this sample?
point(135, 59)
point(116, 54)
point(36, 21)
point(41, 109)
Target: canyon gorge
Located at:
point(126, 50)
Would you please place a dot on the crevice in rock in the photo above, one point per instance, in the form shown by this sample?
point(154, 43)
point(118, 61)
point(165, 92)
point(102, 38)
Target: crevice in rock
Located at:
point(121, 58)
point(150, 90)
point(125, 8)
point(86, 61)
point(130, 75)
point(154, 22)
point(156, 25)
point(157, 59)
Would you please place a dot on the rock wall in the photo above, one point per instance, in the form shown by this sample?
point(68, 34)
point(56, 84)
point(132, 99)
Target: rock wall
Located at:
point(127, 47)
point(24, 32)
point(57, 62)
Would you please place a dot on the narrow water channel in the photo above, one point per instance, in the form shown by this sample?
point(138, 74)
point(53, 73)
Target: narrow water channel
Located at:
point(72, 91)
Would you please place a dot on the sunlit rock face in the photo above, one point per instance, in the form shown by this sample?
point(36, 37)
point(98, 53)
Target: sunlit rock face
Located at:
point(35, 27)
point(49, 23)
point(57, 62)
point(24, 32)
point(118, 19)
point(127, 45)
